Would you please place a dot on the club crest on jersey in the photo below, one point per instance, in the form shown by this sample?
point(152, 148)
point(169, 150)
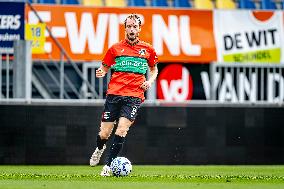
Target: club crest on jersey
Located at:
point(142, 52)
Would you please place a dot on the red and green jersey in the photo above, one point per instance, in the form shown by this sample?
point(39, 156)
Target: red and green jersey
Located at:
point(130, 64)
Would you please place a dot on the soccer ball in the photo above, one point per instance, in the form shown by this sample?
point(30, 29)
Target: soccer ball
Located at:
point(121, 166)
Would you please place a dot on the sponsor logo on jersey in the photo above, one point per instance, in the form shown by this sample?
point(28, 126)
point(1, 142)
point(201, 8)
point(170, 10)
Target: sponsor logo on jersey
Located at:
point(131, 64)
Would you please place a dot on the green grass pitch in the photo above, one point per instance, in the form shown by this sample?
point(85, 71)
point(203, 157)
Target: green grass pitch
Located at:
point(144, 177)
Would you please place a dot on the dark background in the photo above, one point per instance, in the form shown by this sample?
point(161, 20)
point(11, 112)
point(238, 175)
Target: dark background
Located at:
point(41, 134)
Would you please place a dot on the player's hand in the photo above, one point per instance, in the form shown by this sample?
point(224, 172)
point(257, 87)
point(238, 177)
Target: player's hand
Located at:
point(146, 85)
point(100, 72)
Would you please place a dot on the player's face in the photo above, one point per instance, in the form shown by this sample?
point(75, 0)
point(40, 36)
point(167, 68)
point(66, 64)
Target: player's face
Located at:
point(132, 29)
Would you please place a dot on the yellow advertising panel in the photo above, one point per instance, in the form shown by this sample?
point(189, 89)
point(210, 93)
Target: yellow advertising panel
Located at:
point(35, 33)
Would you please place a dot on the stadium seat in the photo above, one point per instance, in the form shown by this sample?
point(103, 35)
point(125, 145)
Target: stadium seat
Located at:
point(159, 3)
point(203, 4)
point(92, 2)
point(181, 3)
point(246, 4)
point(115, 3)
point(140, 3)
point(70, 2)
point(225, 4)
point(268, 4)
point(47, 1)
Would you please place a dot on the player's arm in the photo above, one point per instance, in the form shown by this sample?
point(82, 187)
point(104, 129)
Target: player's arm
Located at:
point(106, 64)
point(153, 72)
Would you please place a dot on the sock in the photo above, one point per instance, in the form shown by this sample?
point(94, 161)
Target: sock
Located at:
point(100, 142)
point(115, 148)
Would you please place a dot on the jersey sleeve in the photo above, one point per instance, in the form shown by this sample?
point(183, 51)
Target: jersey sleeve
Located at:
point(153, 59)
point(109, 58)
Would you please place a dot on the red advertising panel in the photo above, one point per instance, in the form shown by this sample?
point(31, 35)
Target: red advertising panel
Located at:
point(87, 32)
point(183, 82)
point(174, 83)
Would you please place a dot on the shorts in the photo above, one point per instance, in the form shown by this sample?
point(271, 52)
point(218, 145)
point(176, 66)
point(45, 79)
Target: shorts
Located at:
point(120, 106)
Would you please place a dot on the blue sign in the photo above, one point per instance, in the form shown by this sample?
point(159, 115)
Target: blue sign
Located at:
point(12, 25)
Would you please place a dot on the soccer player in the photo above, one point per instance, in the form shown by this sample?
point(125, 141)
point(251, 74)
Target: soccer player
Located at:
point(130, 60)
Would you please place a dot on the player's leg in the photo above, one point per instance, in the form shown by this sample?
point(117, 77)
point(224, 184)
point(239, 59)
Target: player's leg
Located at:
point(105, 131)
point(110, 114)
point(119, 137)
point(128, 114)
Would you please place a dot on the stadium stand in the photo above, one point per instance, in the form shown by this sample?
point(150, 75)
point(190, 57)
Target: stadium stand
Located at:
point(268, 4)
point(246, 4)
point(115, 3)
point(225, 4)
point(203, 4)
point(138, 3)
point(159, 3)
point(70, 2)
point(181, 3)
point(92, 2)
point(47, 1)
point(198, 4)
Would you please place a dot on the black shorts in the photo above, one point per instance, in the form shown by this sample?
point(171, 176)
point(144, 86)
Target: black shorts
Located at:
point(120, 106)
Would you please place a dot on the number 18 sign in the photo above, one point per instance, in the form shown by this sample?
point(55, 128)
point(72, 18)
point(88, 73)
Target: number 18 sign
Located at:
point(35, 33)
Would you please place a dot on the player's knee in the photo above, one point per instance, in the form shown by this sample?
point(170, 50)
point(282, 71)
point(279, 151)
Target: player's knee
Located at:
point(105, 133)
point(121, 132)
